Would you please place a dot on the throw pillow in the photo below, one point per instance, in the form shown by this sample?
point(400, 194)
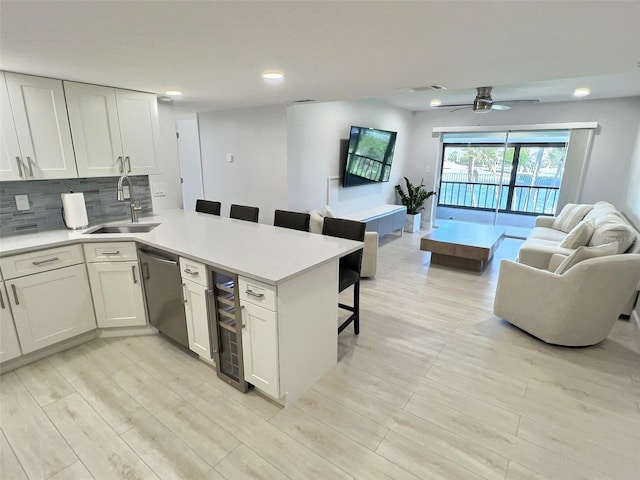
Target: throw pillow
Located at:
point(611, 229)
point(579, 235)
point(584, 253)
point(327, 212)
point(315, 222)
point(570, 216)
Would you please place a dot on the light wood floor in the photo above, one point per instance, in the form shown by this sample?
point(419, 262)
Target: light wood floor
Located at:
point(434, 387)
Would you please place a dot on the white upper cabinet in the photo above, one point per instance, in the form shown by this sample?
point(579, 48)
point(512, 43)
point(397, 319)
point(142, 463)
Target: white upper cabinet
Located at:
point(39, 115)
point(114, 131)
point(10, 156)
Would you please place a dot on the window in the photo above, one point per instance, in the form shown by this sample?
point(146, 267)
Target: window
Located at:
point(518, 172)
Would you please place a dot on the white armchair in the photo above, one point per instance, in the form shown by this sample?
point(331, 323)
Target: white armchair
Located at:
point(577, 308)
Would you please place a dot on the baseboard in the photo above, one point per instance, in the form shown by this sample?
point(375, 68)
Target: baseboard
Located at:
point(128, 331)
point(635, 326)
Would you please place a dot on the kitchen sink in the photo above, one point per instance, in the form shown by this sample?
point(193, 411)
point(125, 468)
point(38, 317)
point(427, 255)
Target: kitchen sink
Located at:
point(125, 228)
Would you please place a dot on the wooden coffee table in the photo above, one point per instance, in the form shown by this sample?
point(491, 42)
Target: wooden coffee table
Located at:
point(462, 245)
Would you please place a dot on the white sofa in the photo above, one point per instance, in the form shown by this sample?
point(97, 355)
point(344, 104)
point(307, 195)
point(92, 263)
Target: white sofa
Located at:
point(546, 238)
point(575, 308)
point(369, 251)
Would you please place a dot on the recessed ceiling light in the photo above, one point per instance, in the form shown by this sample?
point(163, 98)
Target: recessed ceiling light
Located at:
point(272, 75)
point(436, 102)
point(581, 92)
point(173, 93)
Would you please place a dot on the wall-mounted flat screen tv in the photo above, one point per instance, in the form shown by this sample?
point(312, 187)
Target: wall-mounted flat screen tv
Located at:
point(369, 156)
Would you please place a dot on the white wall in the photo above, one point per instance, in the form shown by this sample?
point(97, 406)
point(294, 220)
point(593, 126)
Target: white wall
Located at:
point(168, 160)
point(633, 187)
point(257, 139)
point(612, 149)
point(317, 138)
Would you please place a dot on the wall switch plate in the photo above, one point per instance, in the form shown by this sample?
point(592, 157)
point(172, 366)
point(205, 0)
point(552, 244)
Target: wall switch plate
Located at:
point(158, 190)
point(428, 169)
point(230, 157)
point(22, 202)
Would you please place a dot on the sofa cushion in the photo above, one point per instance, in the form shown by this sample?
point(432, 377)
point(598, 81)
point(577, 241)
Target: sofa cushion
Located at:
point(544, 233)
point(328, 212)
point(315, 222)
point(600, 209)
point(580, 235)
point(611, 228)
point(584, 253)
point(570, 216)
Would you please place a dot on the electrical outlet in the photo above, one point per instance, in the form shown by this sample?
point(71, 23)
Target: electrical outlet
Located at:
point(158, 190)
point(22, 202)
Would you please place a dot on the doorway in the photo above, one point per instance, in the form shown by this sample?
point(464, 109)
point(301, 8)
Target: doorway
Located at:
point(190, 162)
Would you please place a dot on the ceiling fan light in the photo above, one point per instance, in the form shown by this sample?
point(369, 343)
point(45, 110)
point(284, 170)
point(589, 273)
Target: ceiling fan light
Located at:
point(436, 102)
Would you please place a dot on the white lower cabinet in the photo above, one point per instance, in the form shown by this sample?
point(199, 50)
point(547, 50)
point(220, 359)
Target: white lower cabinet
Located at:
point(51, 306)
point(9, 345)
point(195, 307)
point(196, 291)
point(260, 347)
point(117, 294)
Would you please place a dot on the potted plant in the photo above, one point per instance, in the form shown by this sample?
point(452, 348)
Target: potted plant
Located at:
point(414, 200)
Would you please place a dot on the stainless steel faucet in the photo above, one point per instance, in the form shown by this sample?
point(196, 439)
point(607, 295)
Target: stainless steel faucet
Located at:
point(134, 209)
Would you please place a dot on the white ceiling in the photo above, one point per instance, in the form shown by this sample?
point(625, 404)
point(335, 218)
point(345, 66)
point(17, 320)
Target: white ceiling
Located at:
point(329, 50)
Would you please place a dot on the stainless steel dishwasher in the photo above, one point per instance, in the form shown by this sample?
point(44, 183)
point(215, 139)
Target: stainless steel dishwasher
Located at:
point(163, 293)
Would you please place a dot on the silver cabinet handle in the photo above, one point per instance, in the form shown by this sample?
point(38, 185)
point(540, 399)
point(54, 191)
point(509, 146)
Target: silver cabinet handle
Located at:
point(121, 165)
point(117, 252)
point(15, 294)
point(133, 272)
point(254, 294)
point(2, 301)
point(191, 272)
point(30, 166)
point(19, 162)
point(184, 293)
point(127, 160)
point(48, 260)
point(242, 316)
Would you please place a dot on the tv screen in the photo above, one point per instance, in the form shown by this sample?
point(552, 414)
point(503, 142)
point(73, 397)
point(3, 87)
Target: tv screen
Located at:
point(369, 156)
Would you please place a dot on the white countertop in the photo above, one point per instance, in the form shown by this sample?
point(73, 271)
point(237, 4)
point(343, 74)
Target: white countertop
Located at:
point(258, 251)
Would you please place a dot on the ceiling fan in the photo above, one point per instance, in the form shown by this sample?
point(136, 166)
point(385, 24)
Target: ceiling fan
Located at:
point(484, 103)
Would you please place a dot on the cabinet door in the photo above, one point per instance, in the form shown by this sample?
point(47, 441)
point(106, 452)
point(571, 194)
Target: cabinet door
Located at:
point(10, 156)
point(197, 313)
point(51, 306)
point(42, 125)
point(93, 116)
point(260, 348)
point(139, 130)
point(117, 294)
point(9, 346)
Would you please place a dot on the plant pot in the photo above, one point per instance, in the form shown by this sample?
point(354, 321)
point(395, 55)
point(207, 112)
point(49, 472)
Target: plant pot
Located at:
point(413, 223)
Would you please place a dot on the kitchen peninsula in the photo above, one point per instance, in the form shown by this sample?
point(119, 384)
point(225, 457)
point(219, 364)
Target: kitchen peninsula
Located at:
point(297, 271)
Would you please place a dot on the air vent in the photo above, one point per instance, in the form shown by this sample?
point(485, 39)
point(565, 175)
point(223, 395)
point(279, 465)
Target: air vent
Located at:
point(427, 88)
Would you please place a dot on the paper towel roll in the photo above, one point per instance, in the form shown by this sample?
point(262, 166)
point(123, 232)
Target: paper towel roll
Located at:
point(74, 210)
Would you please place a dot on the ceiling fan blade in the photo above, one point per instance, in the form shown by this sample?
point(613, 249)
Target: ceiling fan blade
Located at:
point(453, 105)
point(513, 102)
point(460, 108)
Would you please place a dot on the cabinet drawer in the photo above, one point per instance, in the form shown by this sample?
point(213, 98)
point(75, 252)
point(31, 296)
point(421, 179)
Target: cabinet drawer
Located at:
point(110, 252)
point(194, 271)
point(40, 261)
point(257, 293)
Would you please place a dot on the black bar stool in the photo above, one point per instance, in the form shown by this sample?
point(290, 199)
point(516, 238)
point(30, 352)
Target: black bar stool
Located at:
point(292, 220)
point(244, 212)
point(350, 265)
point(208, 206)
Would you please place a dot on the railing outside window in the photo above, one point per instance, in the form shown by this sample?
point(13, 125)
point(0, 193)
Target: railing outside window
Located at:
point(473, 177)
